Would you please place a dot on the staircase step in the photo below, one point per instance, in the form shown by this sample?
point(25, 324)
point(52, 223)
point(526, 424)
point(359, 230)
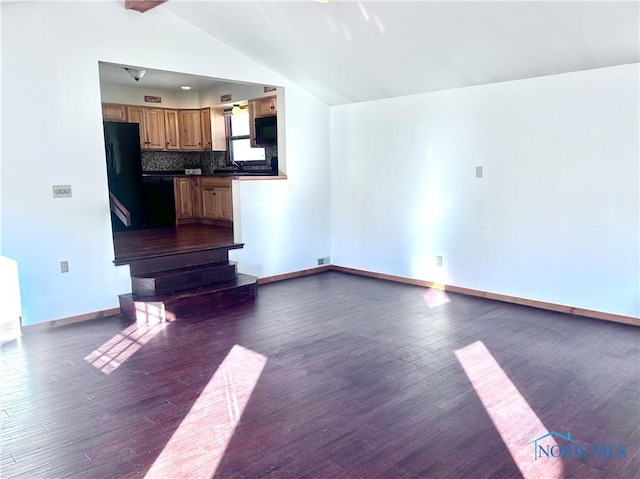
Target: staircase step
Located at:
point(179, 279)
point(192, 302)
point(180, 260)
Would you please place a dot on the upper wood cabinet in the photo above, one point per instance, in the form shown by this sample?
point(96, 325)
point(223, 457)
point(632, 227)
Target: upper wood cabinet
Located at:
point(267, 106)
point(218, 132)
point(205, 125)
point(156, 138)
point(135, 114)
point(113, 112)
point(259, 108)
point(190, 130)
point(151, 122)
point(213, 131)
point(171, 130)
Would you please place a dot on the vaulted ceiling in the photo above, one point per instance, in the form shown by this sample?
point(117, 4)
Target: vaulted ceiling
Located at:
point(345, 52)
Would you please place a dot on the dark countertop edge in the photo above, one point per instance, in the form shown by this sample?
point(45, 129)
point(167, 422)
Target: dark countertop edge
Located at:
point(254, 178)
point(156, 174)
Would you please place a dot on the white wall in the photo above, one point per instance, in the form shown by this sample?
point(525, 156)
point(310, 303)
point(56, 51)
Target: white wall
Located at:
point(110, 93)
point(240, 92)
point(55, 137)
point(556, 216)
point(288, 224)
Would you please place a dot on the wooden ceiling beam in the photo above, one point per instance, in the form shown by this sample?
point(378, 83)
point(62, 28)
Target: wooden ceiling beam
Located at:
point(142, 5)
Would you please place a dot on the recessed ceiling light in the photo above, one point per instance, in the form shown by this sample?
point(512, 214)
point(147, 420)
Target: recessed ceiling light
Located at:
point(185, 87)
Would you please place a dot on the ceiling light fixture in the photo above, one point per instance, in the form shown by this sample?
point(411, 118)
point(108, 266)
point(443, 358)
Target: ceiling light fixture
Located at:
point(185, 87)
point(236, 110)
point(136, 74)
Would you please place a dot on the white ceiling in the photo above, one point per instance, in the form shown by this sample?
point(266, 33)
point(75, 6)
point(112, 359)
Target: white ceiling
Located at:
point(155, 79)
point(346, 52)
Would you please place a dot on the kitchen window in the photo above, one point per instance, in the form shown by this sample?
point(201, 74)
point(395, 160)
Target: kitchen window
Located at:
point(240, 149)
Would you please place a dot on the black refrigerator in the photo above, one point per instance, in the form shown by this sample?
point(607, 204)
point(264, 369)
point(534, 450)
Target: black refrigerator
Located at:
point(124, 173)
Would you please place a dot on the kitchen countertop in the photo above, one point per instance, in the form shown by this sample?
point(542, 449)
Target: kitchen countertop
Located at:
point(234, 175)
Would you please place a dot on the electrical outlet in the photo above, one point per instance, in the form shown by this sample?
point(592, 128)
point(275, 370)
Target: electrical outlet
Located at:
point(62, 191)
point(64, 266)
point(439, 260)
point(325, 260)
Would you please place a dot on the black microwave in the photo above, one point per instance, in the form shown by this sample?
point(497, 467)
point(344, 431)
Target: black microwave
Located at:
point(266, 130)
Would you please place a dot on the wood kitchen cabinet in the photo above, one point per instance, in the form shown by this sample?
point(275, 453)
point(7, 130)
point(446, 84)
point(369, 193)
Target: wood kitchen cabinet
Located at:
point(171, 130)
point(205, 125)
point(136, 115)
point(266, 106)
point(151, 122)
point(187, 196)
point(114, 112)
point(190, 130)
point(213, 130)
point(203, 200)
point(215, 195)
point(156, 138)
point(259, 108)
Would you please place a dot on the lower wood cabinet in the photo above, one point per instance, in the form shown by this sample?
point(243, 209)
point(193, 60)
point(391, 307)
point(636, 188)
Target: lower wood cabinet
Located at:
point(186, 198)
point(215, 196)
point(203, 200)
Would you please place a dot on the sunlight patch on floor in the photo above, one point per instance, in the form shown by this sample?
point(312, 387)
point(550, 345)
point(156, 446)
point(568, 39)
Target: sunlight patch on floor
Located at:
point(435, 297)
point(510, 413)
point(199, 443)
point(112, 354)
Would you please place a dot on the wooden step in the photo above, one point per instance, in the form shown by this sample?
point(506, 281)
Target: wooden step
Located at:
point(189, 303)
point(181, 260)
point(180, 279)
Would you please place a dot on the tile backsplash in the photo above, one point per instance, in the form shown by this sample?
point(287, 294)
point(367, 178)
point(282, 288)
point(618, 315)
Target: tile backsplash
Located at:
point(176, 160)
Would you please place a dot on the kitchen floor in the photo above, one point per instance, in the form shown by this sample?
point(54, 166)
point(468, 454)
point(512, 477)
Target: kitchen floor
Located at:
point(132, 245)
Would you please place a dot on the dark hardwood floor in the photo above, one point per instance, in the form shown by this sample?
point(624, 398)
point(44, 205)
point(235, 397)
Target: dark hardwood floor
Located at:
point(325, 376)
point(152, 242)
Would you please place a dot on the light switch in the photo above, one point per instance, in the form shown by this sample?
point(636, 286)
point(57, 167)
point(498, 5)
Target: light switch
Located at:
point(478, 171)
point(62, 191)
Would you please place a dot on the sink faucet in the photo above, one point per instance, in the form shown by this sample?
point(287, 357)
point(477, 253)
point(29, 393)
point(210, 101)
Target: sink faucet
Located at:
point(237, 165)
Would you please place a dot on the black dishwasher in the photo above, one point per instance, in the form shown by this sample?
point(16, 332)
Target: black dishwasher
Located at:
point(158, 201)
